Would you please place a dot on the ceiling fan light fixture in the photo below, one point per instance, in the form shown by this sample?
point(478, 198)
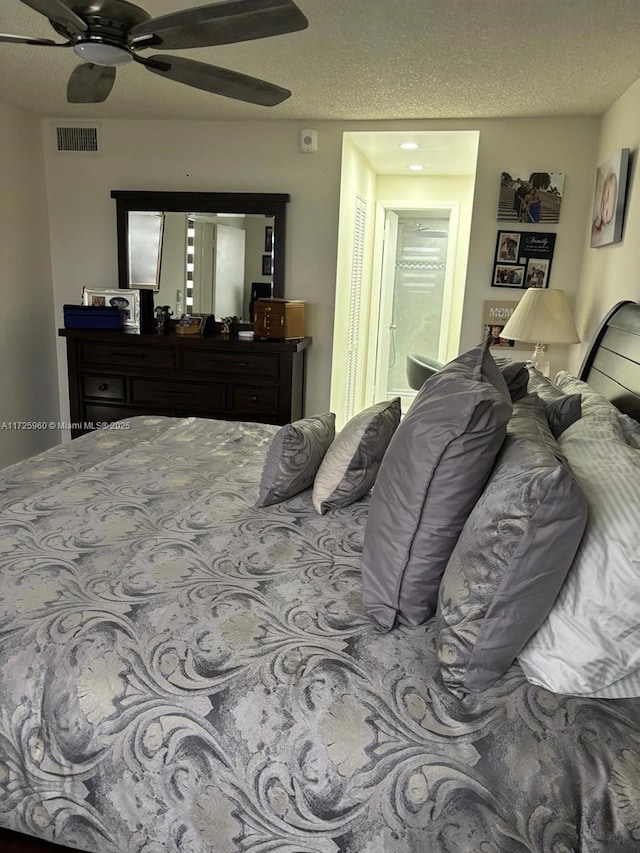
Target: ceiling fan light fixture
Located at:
point(102, 53)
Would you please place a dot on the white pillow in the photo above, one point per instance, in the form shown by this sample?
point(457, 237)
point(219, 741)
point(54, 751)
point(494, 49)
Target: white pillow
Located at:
point(590, 642)
point(592, 401)
point(630, 430)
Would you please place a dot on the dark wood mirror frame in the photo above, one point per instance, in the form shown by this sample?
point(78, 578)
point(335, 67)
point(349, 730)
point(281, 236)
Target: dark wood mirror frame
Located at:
point(267, 204)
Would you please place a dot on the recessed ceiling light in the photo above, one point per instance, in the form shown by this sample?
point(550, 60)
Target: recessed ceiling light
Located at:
point(416, 167)
point(409, 146)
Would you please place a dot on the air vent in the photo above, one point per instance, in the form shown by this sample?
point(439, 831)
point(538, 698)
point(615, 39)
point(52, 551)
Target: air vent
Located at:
point(72, 139)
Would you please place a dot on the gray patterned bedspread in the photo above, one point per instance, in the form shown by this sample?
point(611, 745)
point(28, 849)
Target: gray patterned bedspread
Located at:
point(180, 671)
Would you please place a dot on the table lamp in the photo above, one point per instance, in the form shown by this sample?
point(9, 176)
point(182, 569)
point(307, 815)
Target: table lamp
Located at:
point(542, 317)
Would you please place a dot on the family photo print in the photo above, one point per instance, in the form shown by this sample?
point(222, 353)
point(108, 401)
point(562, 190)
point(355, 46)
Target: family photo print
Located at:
point(533, 197)
point(523, 259)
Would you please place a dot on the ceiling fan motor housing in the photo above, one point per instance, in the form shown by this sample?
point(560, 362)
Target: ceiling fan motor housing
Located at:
point(119, 12)
point(106, 41)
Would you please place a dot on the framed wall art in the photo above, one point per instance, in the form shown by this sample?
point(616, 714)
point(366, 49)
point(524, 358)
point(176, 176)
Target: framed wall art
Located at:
point(533, 197)
point(523, 259)
point(128, 301)
point(609, 200)
point(494, 318)
point(267, 265)
point(268, 238)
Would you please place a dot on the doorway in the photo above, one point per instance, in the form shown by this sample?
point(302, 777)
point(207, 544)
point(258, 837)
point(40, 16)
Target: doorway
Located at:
point(414, 311)
point(406, 200)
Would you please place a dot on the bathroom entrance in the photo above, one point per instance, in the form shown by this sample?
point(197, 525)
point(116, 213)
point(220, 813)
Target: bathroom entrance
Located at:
point(415, 293)
point(406, 199)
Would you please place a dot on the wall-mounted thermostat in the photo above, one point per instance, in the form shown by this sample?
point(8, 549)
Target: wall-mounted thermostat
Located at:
point(308, 141)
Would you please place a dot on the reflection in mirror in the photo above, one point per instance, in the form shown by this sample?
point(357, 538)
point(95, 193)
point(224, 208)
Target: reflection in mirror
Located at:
point(206, 263)
point(145, 245)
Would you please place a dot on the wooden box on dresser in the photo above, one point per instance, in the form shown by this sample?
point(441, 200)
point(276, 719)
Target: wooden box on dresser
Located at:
point(115, 375)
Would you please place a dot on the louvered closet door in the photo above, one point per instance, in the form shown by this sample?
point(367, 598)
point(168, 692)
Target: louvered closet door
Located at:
point(355, 303)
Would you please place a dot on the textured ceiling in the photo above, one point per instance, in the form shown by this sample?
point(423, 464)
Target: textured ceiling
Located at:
point(370, 59)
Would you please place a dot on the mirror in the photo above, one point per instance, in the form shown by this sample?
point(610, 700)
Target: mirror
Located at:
point(208, 253)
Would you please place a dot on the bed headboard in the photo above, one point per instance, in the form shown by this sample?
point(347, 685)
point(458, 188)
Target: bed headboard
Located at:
point(612, 365)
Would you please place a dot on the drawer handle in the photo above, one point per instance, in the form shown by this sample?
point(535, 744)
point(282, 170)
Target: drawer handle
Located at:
point(128, 355)
point(240, 364)
point(254, 399)
point(103, 386)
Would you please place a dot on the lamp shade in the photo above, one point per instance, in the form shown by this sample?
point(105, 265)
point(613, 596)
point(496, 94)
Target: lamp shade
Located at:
point(542, 316)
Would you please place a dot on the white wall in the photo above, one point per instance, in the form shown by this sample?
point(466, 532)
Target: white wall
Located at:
point(28, 374)
point(263, 157)
point(612, 273)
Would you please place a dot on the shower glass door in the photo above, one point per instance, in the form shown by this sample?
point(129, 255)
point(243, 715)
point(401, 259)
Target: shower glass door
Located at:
point(413, 295)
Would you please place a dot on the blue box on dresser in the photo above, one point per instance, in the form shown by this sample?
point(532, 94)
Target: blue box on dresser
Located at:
point(91, 317)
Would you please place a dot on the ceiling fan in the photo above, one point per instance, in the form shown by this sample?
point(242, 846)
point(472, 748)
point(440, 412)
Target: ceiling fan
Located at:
point(107, 33)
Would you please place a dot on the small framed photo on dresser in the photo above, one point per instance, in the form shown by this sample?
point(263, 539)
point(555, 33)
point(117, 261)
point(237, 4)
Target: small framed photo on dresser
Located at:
point(128, 301)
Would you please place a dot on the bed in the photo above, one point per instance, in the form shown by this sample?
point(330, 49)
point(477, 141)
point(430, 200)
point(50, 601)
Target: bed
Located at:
point(181, 670)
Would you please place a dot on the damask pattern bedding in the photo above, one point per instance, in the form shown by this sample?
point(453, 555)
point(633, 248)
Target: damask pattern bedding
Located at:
point(183, 671)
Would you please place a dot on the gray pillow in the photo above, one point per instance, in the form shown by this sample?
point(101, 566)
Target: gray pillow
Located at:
point(563, 412)
point(542, 386)
point(512, 557)
point(432, 474)
point(516, 376)
point(294, 457)
point(563, 409)
point(350, 467)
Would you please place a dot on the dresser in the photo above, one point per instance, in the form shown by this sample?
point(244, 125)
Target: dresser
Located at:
point(115, 375)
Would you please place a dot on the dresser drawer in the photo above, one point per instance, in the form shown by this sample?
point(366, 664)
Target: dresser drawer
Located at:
point(263, 401)
point(96, 413)
point(194, 396)
point(103, 387)
point(234, 364)
point(131, 356)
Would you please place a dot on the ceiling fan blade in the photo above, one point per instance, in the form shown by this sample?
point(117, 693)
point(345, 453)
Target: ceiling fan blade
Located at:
point(90, 84)
point(5, 37)
point(226, 22)
point(219, 81)
point(59, 12)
